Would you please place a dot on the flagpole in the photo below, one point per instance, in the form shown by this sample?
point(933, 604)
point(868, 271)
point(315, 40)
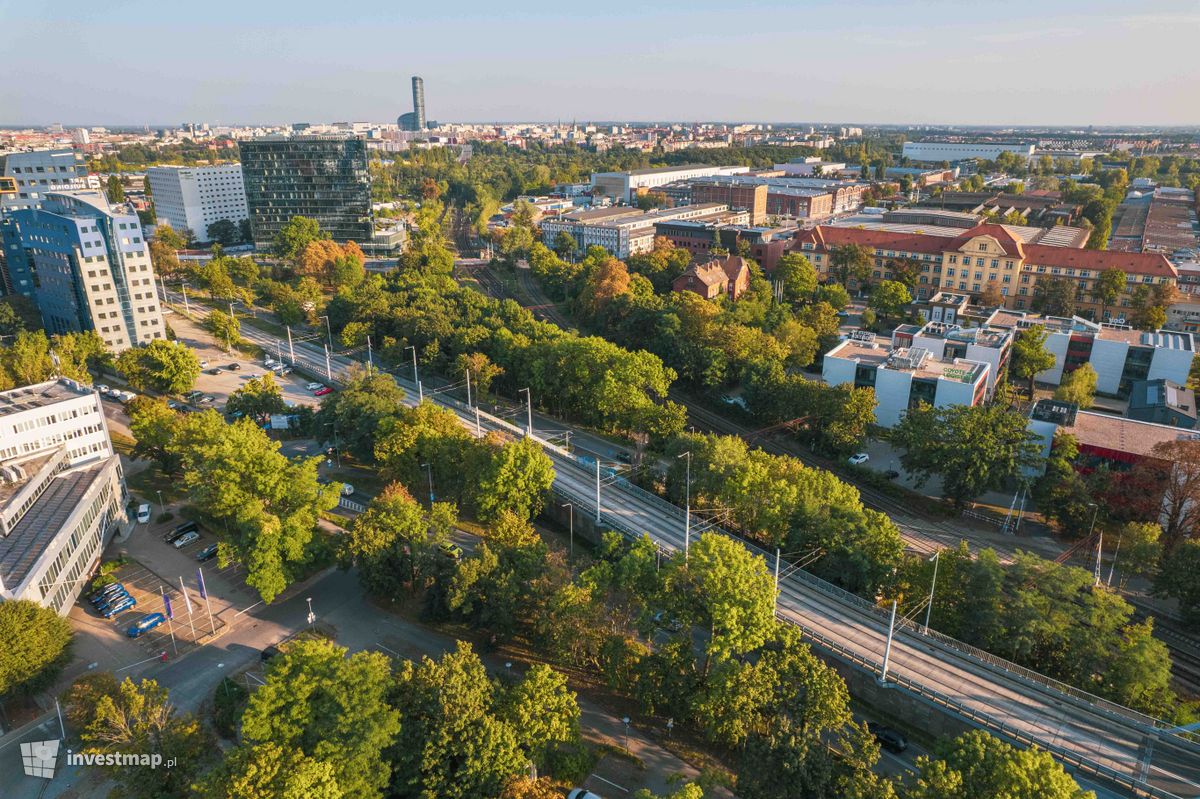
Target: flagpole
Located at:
point(207, 602)
point(170, 617)
point(188, 602)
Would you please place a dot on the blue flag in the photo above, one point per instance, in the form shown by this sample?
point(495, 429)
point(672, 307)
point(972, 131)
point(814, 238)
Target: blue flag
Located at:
point(167, 606)
point(200, 580)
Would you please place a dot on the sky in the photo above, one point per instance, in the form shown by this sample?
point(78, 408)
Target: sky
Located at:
point(1018, 62)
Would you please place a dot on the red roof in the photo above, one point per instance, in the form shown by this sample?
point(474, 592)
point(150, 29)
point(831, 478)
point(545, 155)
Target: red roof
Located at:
point(1132, 263)
point(1008, 242)
point(829, 237)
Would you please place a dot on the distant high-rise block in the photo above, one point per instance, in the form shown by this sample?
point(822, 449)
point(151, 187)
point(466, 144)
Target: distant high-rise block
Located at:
point(418, 87)
point(321, 177)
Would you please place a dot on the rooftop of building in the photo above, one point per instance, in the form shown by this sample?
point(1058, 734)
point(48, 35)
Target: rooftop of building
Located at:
point(1116, 433)
point(15, 473)
point(22, 547)
point(596, 215)
point(994, 338)
point(655, 170)
point(1162, 393)
point(1077, 326)
point(865, 350)
point(41, 395)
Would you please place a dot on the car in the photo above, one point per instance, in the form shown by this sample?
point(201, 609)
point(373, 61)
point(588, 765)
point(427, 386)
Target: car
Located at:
point(143, 513)
point(891, 474)
point(185, 539)
point(204, 364)
point(206, 554)
point(321, 392)
point(858, 459)
point(283, 371)
point(216, 370)
point(103, 389)
point(234, 367)
point(268, 653)
point(107, 591)
point(128, 396)
point(180, 531)
point(193, 395)
point(269, 362)
point(891, 740)
point(581, 793)
point(347, 490)
point(126, 603)
point(175, 405)
point(314, 386)
point(145, 624)
point(112, 599)
point(206, 399)
point(450, 550)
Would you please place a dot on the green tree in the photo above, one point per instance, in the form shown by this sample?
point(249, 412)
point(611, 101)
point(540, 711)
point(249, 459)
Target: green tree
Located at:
point(565, 245)
point(138, 717)
point(114, 189)
point(270, 771)
point(18, 314)
point(1140, 549)
point(851, 262)
point(1078, 387)
point(37, 645)
point(257, 397)
point(1055, 296)
point(798, 276)
point(353, 415)
point(515, 480)
point(167, 367)
point(833, 295)
point(224, 327)
point(266, 505)
point(889, 298)
point(542, 711)
point(394, 542)
point(1030, 356)
point(1107, 289)
point(295, 235)
point(225, 232)
point(1179, 579)
point(973, 448)
point(331, 707)
point(452, 743)
point(154, 426)
point(977, 764)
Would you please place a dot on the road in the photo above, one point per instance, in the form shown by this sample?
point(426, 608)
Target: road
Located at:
point(1113, 743)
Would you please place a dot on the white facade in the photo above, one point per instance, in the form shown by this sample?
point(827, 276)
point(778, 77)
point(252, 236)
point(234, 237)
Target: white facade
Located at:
point(61, 491)
point(43, 171)
point(196, 197)
point(624, 186)
point(953, 151)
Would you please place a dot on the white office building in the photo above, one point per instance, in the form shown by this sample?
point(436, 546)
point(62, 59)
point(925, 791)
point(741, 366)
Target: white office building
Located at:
point(42, 171)
point(938, 151)
point(625, 186)
point(194, 197)
point(62, 492)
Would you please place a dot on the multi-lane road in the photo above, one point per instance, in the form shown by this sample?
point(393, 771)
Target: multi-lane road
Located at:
point(1088, 734)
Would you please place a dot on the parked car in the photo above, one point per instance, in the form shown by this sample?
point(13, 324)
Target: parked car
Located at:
point(269, 362)
point(128, 396)
point(174, 405)
point(185, 539)
point(314, 386)
point(206, 554)
point(145, 624)
point(347, 490)
point(193, 395)
point(581, 793)
point(216, 370)
point(234, 367)
point(103, 389)
point(107, 592)
point(180, 531)
point(450, 550)
point(126, 603)
point(858, 459)
point(889, 739)
point(283, 371)
point(114, 598)
point(891, 474)
point(321, 392)
point(143, 513)
point(204, 364)
point(268, 653)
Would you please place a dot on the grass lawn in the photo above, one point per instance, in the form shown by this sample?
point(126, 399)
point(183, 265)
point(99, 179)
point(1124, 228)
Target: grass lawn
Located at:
point(148, 482)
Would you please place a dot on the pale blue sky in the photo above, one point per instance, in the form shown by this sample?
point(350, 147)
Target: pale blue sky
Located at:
point(937, 61)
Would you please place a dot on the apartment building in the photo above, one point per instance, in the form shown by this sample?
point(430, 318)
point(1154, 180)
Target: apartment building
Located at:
point(1120, 355)
point(966, 261)
point(903, 376)
point(765, 245)
point(42, 171)
point(737, 194)
point(62, 492)
point(323, 177)
point(194, 197)
point(86, 265)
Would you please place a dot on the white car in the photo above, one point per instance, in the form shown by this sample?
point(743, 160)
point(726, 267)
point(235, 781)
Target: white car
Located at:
point(347, 490)
point(269, 362)
point(204, 364)
point(103, 389)
point(186, 539)
point(143, 514)
point(858, 459)
point(315, 386)
point(581, 793)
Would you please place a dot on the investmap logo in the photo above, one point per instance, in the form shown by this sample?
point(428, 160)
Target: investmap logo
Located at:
point(39, 758)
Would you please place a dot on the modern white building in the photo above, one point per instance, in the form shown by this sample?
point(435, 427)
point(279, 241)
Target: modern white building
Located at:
point(904, 376)
point(946, 342)
point(625, 230)
point(62, 492)
point(194, 197)
point(86, 265)
point(938, 151)
point(42, 171)
point(1119, 354)
point(625, 186)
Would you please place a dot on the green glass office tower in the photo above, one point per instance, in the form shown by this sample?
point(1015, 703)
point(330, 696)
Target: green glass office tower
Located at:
point(322, 177)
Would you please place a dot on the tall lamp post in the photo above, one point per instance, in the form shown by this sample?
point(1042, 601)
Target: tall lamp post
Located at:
point(328, 330)
point(687, 507)
point(528, 411)
point(932, 586)
point(1100, 542)
point(429, 471)
point(416, 377)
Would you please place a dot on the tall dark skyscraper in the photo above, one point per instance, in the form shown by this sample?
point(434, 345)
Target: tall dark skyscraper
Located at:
point(322, 177)
point(415, 119)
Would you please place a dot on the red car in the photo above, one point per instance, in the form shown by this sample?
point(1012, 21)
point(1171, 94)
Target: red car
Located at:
point(320, 392)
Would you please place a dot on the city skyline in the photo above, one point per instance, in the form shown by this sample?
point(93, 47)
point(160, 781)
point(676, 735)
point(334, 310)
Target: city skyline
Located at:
point(867, 62)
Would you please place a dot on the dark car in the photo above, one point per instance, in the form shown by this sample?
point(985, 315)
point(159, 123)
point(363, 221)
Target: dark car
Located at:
point(891, 740)
point(269, 653)
point(891, 474)
point(208, 553)
point(216, 370)
point(112, 601)
point(234, 367)
point(180, 531)
point(110, 590)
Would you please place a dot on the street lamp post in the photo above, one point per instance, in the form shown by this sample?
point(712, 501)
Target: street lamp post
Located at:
point(161, 508)
point(687, 508)
point(932, 585)
point(311, 616)
point(887, 651)
point(328, 330)
point(528, 411)
point(571, 526)
point(429, 472)
point(186, 308)
point(1100, 542)
point(416, 377)
point(626, 720)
